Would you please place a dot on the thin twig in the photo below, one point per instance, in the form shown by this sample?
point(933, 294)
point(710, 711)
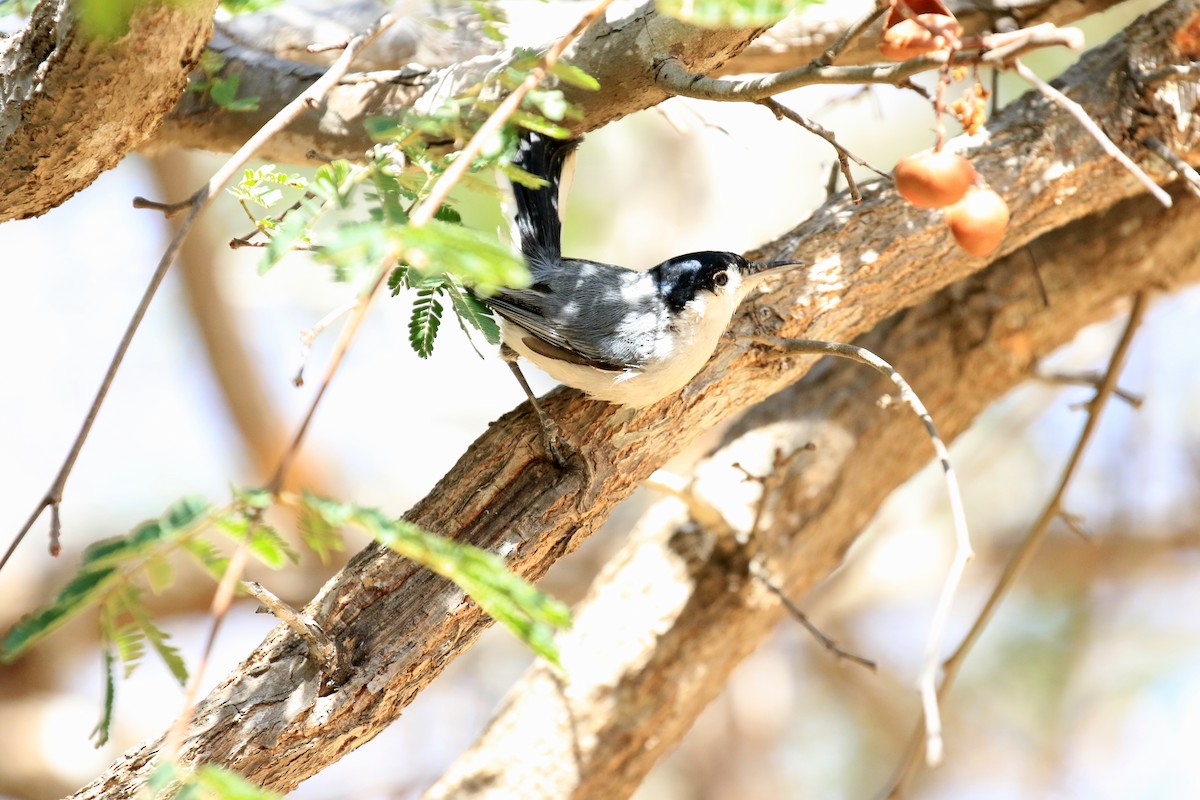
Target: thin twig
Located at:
point(770, 484)
point(844, 156)
point(422, 215)
point(168, 209)
point(1191, 178)
point(995, 50)
point(239, 243)
point(1095, 380)
point(853, 32)
point(320, 647)
point(1024, 554)
point(309, 336)
point(759, 573)
point(1078, 112)
point(196, 204)
point(325, 47)
point(405, 76)
point(1171, 72)
point(962, 541)
point(222, 599)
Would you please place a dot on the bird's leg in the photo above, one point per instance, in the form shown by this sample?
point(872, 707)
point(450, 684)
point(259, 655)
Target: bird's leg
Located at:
point(551, 439)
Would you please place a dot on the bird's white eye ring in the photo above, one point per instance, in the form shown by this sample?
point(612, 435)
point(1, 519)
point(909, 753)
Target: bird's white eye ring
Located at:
point(720, 279)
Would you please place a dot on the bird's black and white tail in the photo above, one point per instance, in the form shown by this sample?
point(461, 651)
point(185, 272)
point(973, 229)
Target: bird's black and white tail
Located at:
point(538, 213)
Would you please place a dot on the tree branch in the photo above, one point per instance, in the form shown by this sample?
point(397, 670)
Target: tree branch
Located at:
point(619, 54)
point(401, 625)
point(72, 107)
point(636, 678)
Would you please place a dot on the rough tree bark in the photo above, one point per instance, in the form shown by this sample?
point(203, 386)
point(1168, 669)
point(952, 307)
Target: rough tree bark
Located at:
point(72, 105)
point(400, 625)
point(641, 665)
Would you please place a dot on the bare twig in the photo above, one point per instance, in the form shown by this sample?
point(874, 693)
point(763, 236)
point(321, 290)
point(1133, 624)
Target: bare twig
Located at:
point(222, 599)
point(844, 156)
point(850, 34)
point(1095, 380)
point(195, 205)
point(1171, 72)
point(962, 541)
point(1024, 554)
point(309, 336)
point(405, 76)
point(770, 485)
point(759, 573)
point(168, 209)
point(994, 50)
point(321, 648)
point(325, 47)
point(1191, 178)
point(1078, 112)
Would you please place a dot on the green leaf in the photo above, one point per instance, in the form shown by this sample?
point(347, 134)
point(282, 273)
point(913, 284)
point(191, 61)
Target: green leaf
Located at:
point(468, 255)
point(160, 574)
point(293, 230)
point(448, 215)
point(104, 725)
point(471, 312)
point(398, 280)
point(426, 319)
point(389, 194)
point(99, 571)
point(551, 103)
point(317, 533)
point(163, 775)
point(256, 497)
point(184, 513)
point(106, 19)
point(539, 125)
point(122, 633)
point(208, 556)
point(158, 640)
point(223, 91)
point(226, 785)
point(270, 548)
point(264, 542)
point(355, 247)
point(334, 182)
point(504, 596)
point(520, 176)
point(730, 13)
point(387, 129)
point(264, 187)
point(573, 75)
point(248, 6)
point(77, 595)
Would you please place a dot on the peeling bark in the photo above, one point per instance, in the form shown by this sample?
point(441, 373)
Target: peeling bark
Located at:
point(400, 625)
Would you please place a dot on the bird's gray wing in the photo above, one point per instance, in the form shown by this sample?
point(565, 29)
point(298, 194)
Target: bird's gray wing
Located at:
point(524, 309)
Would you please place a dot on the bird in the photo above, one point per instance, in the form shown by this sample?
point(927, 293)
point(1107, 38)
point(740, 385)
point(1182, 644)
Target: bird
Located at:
point(626, 336)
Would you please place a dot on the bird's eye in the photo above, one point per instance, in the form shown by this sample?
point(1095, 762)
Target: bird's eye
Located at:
point(720, 279)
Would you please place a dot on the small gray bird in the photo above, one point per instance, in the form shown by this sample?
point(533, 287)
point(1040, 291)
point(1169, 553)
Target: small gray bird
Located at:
point(622, 335)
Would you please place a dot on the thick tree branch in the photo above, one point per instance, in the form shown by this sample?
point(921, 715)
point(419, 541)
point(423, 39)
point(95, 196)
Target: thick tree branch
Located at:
point(72, 106)
point(400, 625)
point(637, 678)
point(618, 52)
point(624, 67)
